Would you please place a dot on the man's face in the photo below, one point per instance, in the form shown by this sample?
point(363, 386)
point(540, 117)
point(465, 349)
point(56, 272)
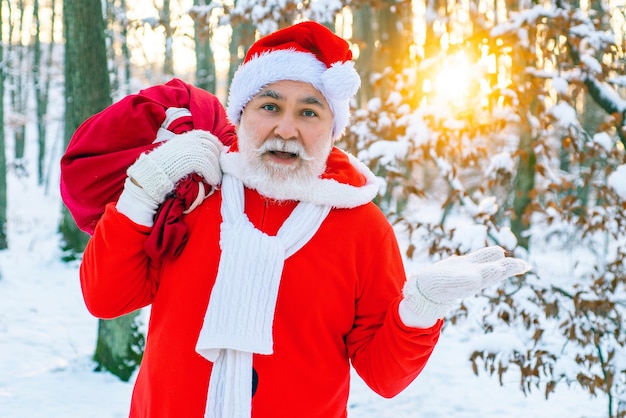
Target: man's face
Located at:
point(285, 132)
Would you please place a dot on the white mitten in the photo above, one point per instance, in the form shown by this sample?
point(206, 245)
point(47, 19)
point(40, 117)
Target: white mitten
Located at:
point(433, 291)
point(158, 171)
point(135, 203)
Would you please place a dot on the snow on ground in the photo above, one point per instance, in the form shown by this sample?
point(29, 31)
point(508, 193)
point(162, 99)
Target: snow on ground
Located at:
point(47, 338)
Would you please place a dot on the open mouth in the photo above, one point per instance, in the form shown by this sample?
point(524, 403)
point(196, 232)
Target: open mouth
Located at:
point(283, 155)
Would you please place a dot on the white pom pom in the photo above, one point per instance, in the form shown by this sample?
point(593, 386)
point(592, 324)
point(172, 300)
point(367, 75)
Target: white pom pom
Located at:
point(341, 81)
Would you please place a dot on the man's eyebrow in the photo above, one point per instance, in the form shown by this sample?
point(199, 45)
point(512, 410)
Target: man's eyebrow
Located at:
point(309, 100)
point(270, 93)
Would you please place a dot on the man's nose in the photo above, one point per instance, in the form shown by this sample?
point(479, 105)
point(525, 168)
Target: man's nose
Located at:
point(286, 127)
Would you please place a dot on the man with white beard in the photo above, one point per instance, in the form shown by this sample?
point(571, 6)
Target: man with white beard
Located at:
point(290, 275)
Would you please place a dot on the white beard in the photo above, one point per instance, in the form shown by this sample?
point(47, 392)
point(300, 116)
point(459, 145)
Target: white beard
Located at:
point(281, 181)
point(320, 190)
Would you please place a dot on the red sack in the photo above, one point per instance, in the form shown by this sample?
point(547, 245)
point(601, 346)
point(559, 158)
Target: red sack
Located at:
point(93, 167)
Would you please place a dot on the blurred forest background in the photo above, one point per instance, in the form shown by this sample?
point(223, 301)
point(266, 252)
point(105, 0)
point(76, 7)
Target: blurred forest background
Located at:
point(499, 117)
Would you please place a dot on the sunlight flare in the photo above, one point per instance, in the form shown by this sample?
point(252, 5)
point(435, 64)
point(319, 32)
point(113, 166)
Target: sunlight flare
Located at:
point(452, 82)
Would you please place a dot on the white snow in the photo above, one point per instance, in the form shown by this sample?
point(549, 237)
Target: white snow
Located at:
point(604, 141)
point(617, 181)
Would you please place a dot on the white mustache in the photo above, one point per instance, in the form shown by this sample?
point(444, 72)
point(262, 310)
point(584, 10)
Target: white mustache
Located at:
point(291, 146)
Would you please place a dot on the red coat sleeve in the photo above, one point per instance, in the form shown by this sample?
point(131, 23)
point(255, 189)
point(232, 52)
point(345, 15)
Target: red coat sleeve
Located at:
point(387, 354)
point(116, 275)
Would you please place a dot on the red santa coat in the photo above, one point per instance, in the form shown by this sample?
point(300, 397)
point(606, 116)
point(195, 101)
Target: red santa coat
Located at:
point(337, 303)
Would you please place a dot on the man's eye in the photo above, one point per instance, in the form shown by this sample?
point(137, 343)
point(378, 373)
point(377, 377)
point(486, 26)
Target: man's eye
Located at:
point(269, 107)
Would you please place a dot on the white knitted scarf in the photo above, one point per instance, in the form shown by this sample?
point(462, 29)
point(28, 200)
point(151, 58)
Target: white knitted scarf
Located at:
point(238, 320)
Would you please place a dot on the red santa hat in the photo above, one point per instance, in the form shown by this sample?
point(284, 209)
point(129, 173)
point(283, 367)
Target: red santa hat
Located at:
point(307, 52)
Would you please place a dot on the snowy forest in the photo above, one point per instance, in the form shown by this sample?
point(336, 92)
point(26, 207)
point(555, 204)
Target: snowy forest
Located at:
point(487, 122)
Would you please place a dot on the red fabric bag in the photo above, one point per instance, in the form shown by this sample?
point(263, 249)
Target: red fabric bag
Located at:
point(93, 167)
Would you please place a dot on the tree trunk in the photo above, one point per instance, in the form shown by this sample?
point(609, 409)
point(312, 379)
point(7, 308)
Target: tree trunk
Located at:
point(120, 346)
point(166, 21)
point(592, 114)
point(242, 38)
point(119, 343)
point(85, 67)
point(527, 164)
point(17, 75)
point(205, 61)
point(396, 34)
point(125, 53)
point(110, 16)
point(41, 82)
point(46, 87)
point(117, 37)
point(524, 184)
point(363, 33)
point(4, 244)
point(41, 132)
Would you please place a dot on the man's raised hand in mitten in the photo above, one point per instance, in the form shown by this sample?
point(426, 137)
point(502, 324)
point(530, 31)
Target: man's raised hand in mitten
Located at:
point(433, 291)
point(155, 174)
point(158, 171)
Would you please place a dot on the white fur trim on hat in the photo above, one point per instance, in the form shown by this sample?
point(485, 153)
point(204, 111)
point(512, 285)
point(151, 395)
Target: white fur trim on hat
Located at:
point(338, 83)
